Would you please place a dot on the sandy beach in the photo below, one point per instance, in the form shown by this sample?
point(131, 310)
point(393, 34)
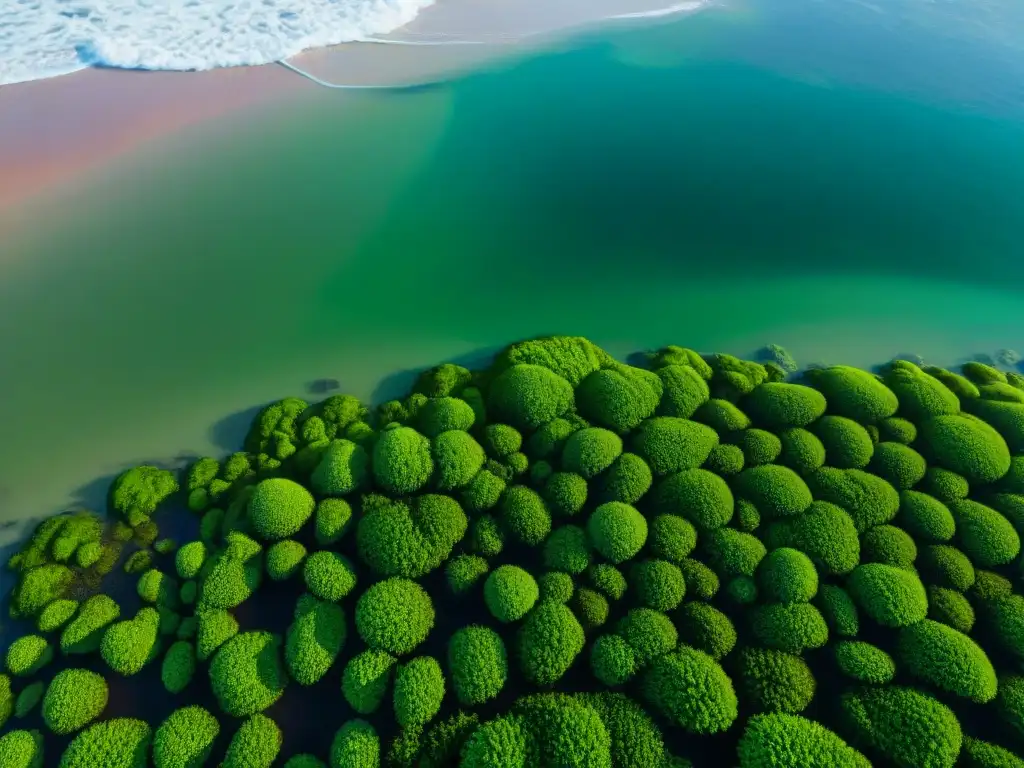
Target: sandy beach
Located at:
point(53, 130)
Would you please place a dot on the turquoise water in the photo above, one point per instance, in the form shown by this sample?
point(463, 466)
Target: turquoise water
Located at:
point(745, 176)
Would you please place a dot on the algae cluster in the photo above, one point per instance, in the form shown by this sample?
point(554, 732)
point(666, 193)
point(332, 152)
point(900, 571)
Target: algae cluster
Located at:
point(561, 560)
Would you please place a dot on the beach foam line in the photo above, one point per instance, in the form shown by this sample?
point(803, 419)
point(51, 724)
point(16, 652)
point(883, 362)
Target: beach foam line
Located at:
point(679, 8)
point(345, 86)
point(672, 10)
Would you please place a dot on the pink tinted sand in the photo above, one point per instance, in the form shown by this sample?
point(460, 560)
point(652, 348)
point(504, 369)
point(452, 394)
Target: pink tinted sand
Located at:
point(52, 131)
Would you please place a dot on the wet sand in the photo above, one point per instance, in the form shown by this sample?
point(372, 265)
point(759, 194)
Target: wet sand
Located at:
point(51, 131)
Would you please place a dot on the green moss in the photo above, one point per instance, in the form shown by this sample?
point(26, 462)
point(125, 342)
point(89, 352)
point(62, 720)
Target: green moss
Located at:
point(527, 396)
point(787, 575)
point(702, 583)
point(725, 460)
point(410, 539)
point(617, 531)
point(564, 729)
point(670, 444)
point(246, 674)
point(74, 698)
point(419, 689)
point(657, 584)
point(868, 499)
point(864, 662)
point(464, 572)
point(691, 690)
point(21, 749)
point(893, 597)
point(773, 681)
point(732, 553)
point(510, 592)
point(549, 641)
point(778, 405)
point(959, 385)
point(142, 488)
point(28, 698)
point(328, 575)
point(550, 437)
point(85, 633)
point(504, 741)
point(854, 393)
point(131, 644)
point(985, 536)
point(790, 627)
point(781, 740)
point(567, 549)
point(38, 587)
point(950, 608)
point(925, 518)
point(612, 660)
point(948, 660)
point(314, 639)
point(706, 628)
point(565, 493)
point(185, 739)
point(825, 533)
point(365, 680)
point(28, 654)
point(901, 465)
point(278, 508)
point(255, 744)
point(967, 446)
point(685, 390)
point(847, 444)
point(758, 446)
point(626, 480)
point(483, 491)
point(486, 538)
point(590, 451)
point(908, 728)
point(888, 544)
point(649, 633)
point(478, 663)
point(590, 608)
point(696, 494)
point(946, 566)
point(559, 587)
point(525, 515)
point(402, 461)
point(394, 615)
point(214, 628)
point(802, 451)
point(722, 416)
point(981, 754)
point(117, 743)
point(344, 467)
point(619, 397)
point(921, 396)
point(457, 460)
point(775, 490)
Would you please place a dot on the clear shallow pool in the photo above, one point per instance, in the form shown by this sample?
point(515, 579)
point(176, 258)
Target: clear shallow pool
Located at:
point(739, 177)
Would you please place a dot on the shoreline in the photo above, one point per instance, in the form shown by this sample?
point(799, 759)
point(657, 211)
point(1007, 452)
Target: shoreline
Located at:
point(226, 418)
point(55, 130)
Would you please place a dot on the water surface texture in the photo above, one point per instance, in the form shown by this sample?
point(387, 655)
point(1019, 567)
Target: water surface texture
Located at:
point(720, 182)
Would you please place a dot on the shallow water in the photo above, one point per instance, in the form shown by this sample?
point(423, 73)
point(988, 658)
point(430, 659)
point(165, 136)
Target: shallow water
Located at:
point(721, 182)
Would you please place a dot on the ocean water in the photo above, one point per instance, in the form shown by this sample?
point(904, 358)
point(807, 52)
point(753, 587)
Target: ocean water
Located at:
point(754, 174)
point(46, 38)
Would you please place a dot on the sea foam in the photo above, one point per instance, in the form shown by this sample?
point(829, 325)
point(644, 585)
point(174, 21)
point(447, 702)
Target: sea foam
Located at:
point(46, 38)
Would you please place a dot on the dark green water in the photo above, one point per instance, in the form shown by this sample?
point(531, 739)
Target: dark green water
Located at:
point(736, 178)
